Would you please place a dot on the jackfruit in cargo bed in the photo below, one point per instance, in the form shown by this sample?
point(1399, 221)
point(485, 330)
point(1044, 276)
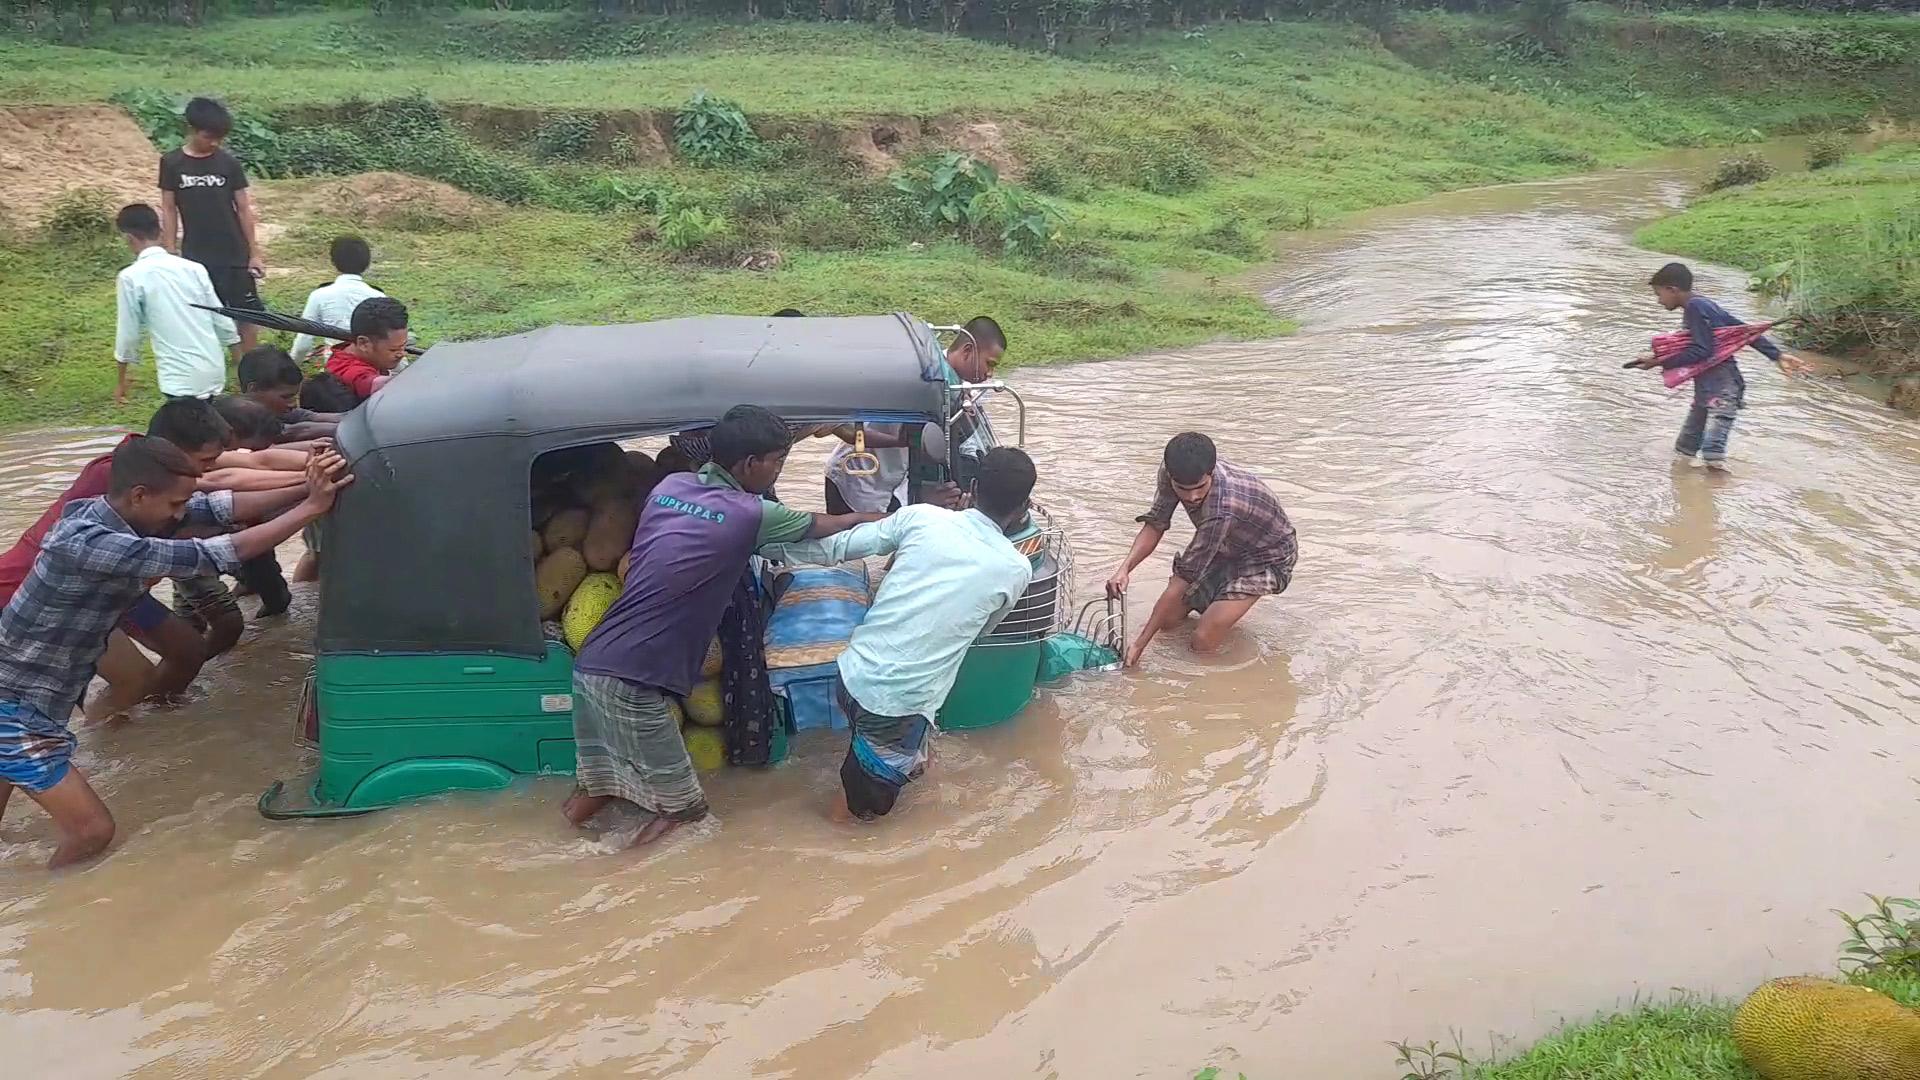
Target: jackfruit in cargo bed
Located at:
point(1815, 1029)
point(555, 578)
point(595, 594)
point(566, 528)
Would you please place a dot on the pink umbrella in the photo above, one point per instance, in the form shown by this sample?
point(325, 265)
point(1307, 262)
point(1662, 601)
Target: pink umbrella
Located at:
point(1727, 340)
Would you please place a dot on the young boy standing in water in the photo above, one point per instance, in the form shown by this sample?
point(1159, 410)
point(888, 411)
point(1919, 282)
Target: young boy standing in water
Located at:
point(93, 568)
point(1720, 391)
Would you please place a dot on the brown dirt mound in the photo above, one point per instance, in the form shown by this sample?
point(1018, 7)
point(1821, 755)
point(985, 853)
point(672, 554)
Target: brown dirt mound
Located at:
point(48, 150)
point(386, 199)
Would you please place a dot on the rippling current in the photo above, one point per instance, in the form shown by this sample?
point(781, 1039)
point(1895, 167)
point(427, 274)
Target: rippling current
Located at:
point(1545, 721)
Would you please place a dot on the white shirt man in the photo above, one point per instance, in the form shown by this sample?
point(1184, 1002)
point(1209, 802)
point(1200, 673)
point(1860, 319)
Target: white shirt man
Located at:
point(157, 294)
point(331, 304)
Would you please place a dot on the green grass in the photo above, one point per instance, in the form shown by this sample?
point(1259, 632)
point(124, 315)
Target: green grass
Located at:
point(1679, 1040)
point(1172, 156)
point(1843, 243)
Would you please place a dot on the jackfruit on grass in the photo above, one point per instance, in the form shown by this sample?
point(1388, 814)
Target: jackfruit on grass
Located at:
point(1813, 1029)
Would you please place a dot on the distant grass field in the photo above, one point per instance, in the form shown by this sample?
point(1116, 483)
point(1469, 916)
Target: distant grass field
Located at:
point(1171, 157)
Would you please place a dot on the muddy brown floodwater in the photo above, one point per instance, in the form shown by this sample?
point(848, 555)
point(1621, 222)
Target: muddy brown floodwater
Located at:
point(1545, 722)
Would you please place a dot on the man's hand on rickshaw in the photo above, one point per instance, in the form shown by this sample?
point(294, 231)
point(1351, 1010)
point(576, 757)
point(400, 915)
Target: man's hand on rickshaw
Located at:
point(326, 475)
point(947, 495)
point(1117, 584)
point(1792, 365)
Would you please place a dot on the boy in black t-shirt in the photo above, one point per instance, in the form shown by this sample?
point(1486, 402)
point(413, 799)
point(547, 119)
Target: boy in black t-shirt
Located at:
point(206, 211)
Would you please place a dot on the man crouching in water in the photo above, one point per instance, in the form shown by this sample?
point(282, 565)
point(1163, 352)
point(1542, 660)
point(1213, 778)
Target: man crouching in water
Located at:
point(955, 576)
point(1243, 545)
point(689, 550)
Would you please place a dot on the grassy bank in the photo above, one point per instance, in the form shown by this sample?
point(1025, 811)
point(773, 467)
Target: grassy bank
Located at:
point(1842, 244)
point(1163, 161)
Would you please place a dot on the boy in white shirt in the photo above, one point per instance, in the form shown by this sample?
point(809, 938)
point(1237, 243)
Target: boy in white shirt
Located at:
point(333, 304)
point(157, 298)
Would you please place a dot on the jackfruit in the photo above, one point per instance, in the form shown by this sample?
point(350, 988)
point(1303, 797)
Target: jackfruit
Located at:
point(588, 605)
point(610, 532)
point(706, 746)
point(1813, 1029)
point(567, 528)
point(715, 660)
point(620, 571)
point(705, 706)
point(555, 578)
point(537, 546)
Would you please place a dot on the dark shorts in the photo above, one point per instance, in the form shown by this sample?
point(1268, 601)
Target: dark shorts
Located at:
point(236, 287)
point(144, 617)
point(201, 600)
point(902, 740)
point(868, 796)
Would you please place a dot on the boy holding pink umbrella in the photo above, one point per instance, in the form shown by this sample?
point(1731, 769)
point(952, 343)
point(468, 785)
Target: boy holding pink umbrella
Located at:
point(1703, 351)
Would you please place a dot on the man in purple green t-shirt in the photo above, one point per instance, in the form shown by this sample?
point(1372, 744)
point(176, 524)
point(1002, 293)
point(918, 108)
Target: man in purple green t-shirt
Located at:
point(692, 544)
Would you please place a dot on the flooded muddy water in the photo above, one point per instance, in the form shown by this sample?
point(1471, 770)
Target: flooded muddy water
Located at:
point(1545, 721)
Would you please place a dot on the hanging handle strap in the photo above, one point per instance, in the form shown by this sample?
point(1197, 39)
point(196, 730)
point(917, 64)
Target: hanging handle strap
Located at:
point(861, 462)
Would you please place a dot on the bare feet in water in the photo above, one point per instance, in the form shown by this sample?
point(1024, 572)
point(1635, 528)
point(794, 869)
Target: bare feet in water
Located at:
point(581, 807)
point(654, 830)
point(837, 812)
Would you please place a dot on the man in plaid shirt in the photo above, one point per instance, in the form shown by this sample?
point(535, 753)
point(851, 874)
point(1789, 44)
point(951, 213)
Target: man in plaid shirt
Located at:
point(94, 566)
point(1243, 545)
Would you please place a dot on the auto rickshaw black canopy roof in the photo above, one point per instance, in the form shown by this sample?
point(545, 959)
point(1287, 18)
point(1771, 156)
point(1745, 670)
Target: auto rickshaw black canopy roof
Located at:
point(661, 375)
point(428, 551)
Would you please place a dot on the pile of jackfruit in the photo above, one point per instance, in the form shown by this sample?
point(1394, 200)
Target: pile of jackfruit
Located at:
point(585, 503)
point(585, 506)
point(1815, 1029)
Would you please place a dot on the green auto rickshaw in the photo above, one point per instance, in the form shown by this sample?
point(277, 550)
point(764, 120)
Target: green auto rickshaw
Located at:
point(432, 671)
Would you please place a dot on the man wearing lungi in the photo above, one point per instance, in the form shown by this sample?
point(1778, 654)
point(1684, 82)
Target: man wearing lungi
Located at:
point(1243, 545)
point(695, 535)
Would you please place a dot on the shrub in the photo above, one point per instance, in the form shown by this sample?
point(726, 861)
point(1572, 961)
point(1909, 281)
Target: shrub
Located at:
point(964, 195)
point(81, 214)
point(689, 229)
point(1827, 149)
point(565, 136)
point(1171, 168)
point(711, 131)
point(1746, 168)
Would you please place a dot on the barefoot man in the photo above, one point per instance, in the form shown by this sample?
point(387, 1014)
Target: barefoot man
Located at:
point(1243, 545)
point(691, 546)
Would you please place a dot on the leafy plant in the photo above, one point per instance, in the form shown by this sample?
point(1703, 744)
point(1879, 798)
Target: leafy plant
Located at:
point(1171, 168)
point(566, 135)
point(1427, 1062)
point(966, 196)
point(1885, 938)
point(1750, 167)
point(1827, 149)
point(711, 131)
point(80, 214)
point(688, 229)
point(161, 116)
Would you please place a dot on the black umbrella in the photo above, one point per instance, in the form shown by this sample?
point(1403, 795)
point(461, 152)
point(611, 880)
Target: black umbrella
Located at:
point(291, 324)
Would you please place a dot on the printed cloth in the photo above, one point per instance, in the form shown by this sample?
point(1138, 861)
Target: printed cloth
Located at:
point(750, 709)
point(1240, 523)
point(36, 751)
point(627, 744)
point(815, 613)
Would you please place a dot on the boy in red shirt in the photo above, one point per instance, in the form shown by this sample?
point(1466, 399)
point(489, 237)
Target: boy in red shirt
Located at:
point(379, 344)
